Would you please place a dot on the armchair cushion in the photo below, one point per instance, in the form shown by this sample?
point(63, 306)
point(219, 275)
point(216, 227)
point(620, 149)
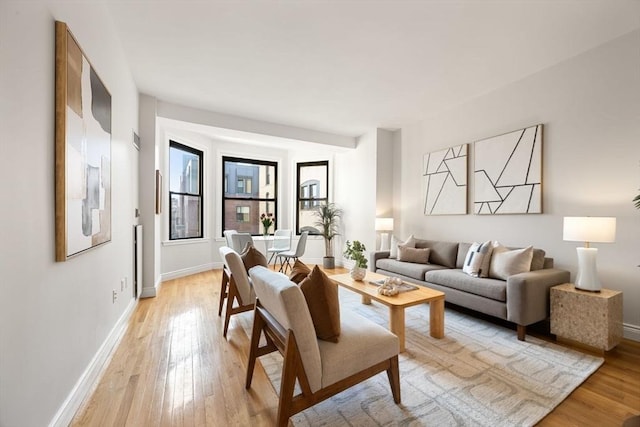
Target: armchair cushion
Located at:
point(321, 294)
point(252, 257)
point(362, 343)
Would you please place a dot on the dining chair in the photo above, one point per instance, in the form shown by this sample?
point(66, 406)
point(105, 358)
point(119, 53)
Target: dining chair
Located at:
point(240, 241)
point(287, 257)
point(281, 243)
point(240, 289)
point(227, 235)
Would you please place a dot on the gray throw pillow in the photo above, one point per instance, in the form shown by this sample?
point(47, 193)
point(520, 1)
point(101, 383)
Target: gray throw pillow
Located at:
point(415, 255)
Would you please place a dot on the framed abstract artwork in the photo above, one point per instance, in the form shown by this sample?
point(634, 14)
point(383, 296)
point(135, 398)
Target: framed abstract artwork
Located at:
point(82, 151)
point(445, 181)
point(508, 173)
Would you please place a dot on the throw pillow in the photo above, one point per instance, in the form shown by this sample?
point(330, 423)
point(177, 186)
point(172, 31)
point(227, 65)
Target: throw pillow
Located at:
point(415, 255)
point(321, 294)
point(252, 257)
point(505, 262)
point(299, 272)
point(478, 259)
point(395, 243)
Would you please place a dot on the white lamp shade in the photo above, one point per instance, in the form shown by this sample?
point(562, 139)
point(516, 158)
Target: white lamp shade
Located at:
point(589, 229)
point(384, 224)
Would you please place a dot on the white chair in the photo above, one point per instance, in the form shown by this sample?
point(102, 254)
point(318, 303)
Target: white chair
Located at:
point(227, 235)
point(321, 368)
point(287, 256)
point(240, 240)
point(240, 288)
point(281, 243)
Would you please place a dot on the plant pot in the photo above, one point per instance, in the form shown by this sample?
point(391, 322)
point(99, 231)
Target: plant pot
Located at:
point(358, 273)
point(329, 262)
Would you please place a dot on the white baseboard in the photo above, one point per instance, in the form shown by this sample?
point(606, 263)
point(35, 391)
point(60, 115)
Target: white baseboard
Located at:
point(631, 332)
point(191, 270)
point(94, 370)
point(149, 292)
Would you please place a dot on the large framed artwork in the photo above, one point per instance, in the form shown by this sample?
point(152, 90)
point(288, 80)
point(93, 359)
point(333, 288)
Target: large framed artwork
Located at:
point(508, 173)
point(82, 151)
point(445, 181)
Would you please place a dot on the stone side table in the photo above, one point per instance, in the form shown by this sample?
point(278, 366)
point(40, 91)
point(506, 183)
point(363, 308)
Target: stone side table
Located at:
point(593, 319)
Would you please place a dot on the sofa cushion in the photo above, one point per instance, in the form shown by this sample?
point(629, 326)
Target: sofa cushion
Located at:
point(393, 250)
point(321, 294)
point(409, 269)
point(457, 279)
point(416, 255)
point(463, 248)
point(478, 258)
point(442, 253)
point(505, 263)
point(537, 262)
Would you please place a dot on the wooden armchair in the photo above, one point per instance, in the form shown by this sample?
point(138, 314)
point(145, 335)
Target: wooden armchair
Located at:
point(240, 289)
point(322, 368)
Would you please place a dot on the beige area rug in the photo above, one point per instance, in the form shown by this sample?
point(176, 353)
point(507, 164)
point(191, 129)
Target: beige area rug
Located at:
point(478, 375)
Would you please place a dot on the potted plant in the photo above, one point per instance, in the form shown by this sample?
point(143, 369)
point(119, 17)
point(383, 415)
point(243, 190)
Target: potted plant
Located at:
point(355, 252)
point(327, 217)
point(636, 201)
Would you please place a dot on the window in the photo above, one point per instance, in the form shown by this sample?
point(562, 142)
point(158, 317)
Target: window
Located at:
point(185, 192)
point(250, 190)
point(312, 182)
point(243, 213)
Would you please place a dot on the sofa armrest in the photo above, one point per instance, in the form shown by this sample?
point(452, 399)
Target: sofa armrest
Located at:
point(375, 256)
point(528, 294)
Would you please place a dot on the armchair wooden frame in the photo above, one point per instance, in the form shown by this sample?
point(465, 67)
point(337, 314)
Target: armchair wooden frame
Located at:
point(284, 341)
point(224, 288)
point(234, 295)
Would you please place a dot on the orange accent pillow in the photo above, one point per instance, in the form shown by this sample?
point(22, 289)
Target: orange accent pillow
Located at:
point(321, 294)
point(299, 272)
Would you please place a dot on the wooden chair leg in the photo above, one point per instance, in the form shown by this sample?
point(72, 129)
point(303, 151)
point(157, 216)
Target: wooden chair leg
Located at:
point(258, 325)
point(223, 290)
point(394, 378)
point(228, 311)
point(288, 381)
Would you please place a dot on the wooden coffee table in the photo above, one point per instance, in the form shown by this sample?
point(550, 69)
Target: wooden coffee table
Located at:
point(398, 303)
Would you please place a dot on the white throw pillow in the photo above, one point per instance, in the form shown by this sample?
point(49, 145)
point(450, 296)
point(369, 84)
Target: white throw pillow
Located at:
point(505, 263)
point(409, 243)
point(478, 259)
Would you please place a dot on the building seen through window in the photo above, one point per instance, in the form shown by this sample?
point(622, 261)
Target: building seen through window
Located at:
point(250, 189)
point(185, 192)
point(312, 182)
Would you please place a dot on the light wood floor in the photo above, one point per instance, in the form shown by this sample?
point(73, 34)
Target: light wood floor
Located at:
point(174, 368)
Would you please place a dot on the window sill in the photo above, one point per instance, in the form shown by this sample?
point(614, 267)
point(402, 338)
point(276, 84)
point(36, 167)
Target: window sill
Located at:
point(185, 242)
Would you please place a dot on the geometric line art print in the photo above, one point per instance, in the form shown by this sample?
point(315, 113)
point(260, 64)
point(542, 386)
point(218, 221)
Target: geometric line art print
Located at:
point(508, 173)
point(445, 181)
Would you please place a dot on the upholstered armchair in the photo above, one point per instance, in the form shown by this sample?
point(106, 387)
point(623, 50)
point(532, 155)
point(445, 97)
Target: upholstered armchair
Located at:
point(240, 291)
point(322, 368)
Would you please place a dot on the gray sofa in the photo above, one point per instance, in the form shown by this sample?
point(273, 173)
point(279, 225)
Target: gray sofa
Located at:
point(522, 299)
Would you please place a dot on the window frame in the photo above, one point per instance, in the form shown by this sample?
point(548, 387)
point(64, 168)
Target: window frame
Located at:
point(299, 200)
point(273, 179)
point(200, 194)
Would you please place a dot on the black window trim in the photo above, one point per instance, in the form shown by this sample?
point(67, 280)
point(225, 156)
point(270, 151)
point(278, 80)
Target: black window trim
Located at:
point(200, 155)
point(299, 199)
point(273, 199)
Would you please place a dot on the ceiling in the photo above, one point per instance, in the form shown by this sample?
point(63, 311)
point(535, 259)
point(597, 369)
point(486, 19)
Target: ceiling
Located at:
point(345, 67)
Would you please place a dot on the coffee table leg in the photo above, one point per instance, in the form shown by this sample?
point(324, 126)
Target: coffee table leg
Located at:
point(396, 323)
point(366, 300)
point(436, 318)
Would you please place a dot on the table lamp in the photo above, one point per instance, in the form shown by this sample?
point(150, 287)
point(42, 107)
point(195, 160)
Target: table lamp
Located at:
point(588, 229)
point(384, 225)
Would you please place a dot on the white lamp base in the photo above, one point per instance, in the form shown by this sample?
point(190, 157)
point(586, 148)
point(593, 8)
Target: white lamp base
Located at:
point(587, 279)
point(384, 241)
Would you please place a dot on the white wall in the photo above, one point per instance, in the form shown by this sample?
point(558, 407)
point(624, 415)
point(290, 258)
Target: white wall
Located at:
point(54, 317)
point(590, 108)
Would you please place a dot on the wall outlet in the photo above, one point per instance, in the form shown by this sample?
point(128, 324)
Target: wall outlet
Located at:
point(115, 296)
